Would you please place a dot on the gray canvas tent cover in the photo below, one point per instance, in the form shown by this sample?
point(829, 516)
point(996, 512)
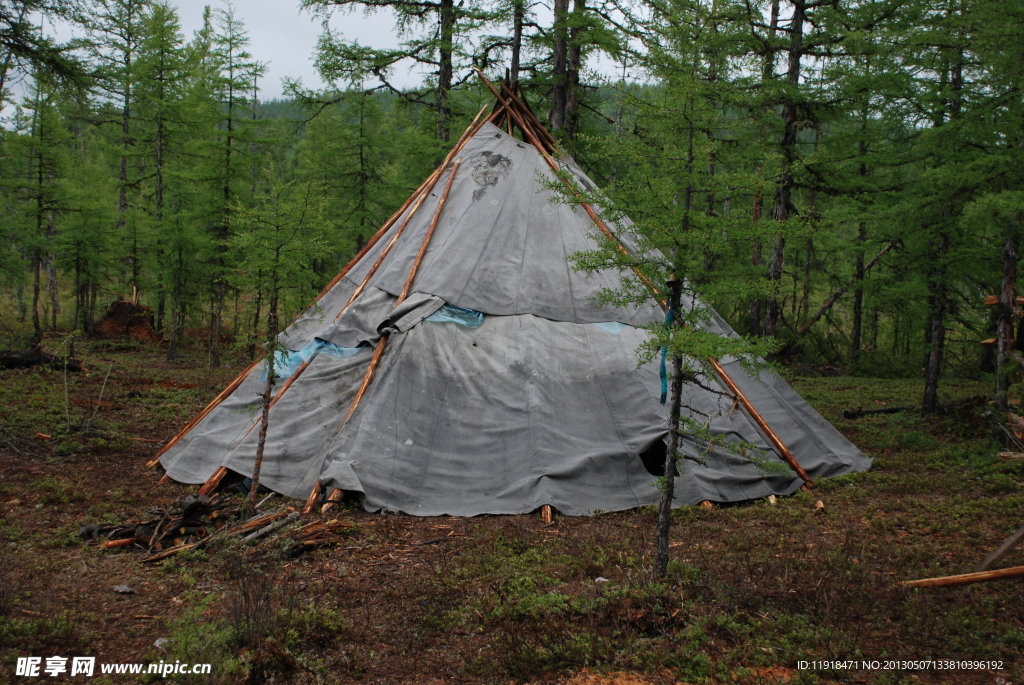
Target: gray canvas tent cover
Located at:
point(503, 386)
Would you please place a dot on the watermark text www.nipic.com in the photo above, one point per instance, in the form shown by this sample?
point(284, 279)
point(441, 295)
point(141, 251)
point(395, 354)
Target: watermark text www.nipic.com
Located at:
point(39, 667)
point(900, 665)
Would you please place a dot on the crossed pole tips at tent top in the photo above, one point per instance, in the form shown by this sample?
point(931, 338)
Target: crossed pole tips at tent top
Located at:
point(512, 110)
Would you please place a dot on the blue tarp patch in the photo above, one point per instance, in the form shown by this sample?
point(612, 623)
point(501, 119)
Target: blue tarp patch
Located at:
point(613, 327)
point(286, 362)
point(662, 371)
point(450, 313)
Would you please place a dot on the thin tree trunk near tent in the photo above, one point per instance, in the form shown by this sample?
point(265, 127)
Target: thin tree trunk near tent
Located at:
point(874, 328)
point(268, 389)
point(224, 228)
point(862, 236)
point(559, 66)
point(936, 330)
point(78, 294)
point(159, 200)
point(675, 409)
point(1007, 306)
point(446, 8)
point(756, 258)
point(37, 255)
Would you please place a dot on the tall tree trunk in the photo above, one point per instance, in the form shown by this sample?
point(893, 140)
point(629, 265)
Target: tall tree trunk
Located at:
point(574, 63)
point(224, 228)
point(444, 75)
point(51, 271)
point(559, 66)
point(862, 236)
point(858, 296)
point(937, 329)
point(783, 196)
point(37, 255)
point(122, 190)
point(756, 257)
point(37, 325)
point(272, 326)
point(756, 260)
point(1007, 307)
point(256, 322)
point(518, 16)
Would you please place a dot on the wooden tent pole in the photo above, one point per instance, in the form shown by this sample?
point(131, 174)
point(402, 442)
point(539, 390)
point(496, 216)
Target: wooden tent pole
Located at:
point(213, 481)
point(780, 447)
point(368, 375)
point(965, 578)
point(314, 497)
point(378, 353)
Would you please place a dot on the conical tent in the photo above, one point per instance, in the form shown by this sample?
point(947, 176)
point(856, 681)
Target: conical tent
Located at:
point(460, 366)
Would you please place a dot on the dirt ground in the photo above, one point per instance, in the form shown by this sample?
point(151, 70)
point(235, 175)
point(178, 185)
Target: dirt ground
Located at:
point(753, 589)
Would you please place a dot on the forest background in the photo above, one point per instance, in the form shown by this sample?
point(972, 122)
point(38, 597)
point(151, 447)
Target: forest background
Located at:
point(843, 177)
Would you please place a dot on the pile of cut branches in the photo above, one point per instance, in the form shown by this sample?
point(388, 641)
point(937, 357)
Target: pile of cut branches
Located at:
point(193, 521)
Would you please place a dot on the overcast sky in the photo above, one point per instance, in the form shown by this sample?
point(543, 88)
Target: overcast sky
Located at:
point(284, 37)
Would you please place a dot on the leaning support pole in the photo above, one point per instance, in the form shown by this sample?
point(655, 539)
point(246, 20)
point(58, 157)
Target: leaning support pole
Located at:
point(314, 497)
point(382, 344)
point(780, 447)
point(965, 578)
point(213, 481)
point(333, 500)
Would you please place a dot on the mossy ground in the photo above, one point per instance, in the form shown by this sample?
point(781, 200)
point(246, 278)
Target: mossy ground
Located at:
point(752, 590)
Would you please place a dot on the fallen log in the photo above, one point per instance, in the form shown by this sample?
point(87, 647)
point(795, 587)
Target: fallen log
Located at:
point(858, 412)
point(19, 359)
point(965, 578)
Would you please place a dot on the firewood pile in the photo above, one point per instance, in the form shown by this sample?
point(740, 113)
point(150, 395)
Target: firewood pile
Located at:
point(193, 521)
